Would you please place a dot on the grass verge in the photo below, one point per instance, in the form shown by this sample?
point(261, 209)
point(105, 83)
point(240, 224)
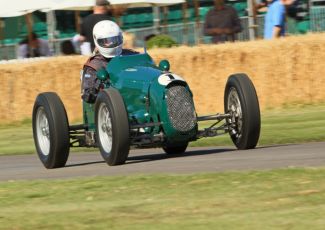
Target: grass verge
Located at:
point(304, 123)
point(277, 199)
point(292, 124)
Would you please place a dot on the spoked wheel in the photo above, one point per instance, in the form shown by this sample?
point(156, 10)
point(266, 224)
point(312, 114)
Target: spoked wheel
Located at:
point(112, 127)
point(241, 103)
point(51, 130)
point(171, 149)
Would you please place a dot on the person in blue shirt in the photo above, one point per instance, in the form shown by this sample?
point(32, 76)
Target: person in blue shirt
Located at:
point(274, 26)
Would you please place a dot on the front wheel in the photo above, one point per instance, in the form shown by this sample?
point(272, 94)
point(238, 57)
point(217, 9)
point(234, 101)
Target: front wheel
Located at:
point(112, 127)
point(241, 103)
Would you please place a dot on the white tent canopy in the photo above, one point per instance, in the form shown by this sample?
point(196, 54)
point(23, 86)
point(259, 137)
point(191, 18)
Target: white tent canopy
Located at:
point(21, 7)
point(146, 3)
point(87, 4)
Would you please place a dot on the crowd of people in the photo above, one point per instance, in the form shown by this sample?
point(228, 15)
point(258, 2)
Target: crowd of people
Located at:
point(32, 46)
point(222, 23)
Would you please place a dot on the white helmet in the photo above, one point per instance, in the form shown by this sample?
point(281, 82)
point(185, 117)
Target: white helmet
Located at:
point(108, 38)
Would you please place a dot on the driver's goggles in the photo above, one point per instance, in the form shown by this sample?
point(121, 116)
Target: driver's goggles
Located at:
point(110, 42)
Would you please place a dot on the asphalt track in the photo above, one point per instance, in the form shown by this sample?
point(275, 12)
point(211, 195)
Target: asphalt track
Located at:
point(195, 160)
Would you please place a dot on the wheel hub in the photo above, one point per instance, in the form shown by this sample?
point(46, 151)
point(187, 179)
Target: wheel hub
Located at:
point(46, 131)
point(43, 131)
point(235, 111)
point(105, 128)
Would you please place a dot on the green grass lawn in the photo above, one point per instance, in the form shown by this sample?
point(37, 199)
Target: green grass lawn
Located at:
point(279, 126)
point(277, 199)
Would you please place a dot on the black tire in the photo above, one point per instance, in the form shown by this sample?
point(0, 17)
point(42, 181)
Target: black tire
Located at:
point(175, 149)
point(246, 131)
point(51, 130)
point(113, 134)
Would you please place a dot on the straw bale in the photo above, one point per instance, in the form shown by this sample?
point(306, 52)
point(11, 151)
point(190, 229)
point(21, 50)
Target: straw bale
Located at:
point(128, 40)
point(284, 71)
point(23, 81)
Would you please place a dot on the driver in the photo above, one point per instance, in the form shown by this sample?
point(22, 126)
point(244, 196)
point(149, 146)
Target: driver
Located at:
point(108, 41)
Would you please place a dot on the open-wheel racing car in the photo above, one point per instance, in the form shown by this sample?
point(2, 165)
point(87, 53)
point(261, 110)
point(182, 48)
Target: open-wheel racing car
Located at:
point(142, 105)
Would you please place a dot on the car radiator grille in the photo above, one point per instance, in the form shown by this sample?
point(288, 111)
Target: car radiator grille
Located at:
point(180, 108)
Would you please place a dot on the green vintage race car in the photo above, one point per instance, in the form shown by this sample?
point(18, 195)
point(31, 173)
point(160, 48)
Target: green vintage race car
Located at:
point(143, 106)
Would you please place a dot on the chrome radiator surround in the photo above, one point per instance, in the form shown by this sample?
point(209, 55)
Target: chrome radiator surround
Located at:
point(180, 108)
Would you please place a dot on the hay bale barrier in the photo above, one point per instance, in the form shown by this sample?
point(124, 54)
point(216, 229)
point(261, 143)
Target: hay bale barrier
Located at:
point(21, 82)
point(285, 71)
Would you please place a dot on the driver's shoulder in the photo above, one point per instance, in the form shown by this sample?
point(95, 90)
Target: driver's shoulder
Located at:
point(96, 62)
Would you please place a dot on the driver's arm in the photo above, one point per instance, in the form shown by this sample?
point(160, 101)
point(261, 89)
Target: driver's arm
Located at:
point(90, 85)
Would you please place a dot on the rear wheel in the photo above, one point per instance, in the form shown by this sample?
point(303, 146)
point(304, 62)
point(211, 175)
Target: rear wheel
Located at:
point(241, 103)
point(51, 130)
point(112, 127)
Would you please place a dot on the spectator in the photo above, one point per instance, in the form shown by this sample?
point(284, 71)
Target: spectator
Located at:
point(222, 23)
point(35, 48)
point(100, 12)
point(67, 48)
point(274, 26)
point(260, 6)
